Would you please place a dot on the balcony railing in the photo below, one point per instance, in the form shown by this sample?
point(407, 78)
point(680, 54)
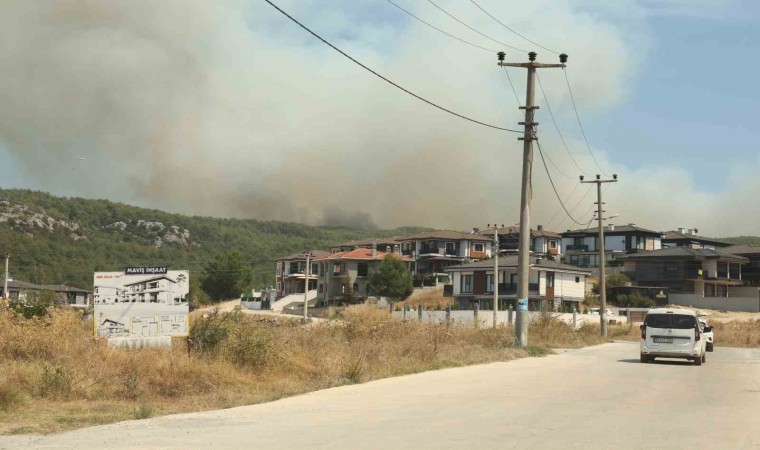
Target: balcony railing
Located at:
point(577, 248)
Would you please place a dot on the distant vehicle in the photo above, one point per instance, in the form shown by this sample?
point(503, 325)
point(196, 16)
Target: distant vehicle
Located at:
point(596, 311)
point(707, 334)
point(673, 333)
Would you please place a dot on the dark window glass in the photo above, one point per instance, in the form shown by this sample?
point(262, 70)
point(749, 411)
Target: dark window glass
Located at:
point(677, 321)
point(363, 270)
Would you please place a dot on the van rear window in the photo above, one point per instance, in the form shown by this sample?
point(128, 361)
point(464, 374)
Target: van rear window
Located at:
point(677, 321)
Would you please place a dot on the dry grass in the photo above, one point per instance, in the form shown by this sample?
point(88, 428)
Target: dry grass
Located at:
point(54, 376)
point(737, 333)
point(431, 299)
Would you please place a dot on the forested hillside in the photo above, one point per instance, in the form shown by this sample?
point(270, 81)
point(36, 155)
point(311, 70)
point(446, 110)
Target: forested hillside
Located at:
point(64, 240)
point(748, 240)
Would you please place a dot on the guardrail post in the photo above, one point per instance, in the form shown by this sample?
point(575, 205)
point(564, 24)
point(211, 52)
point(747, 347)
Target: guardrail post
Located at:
point(419, 312)
point(475, 311)
point(509, 315)
point(575, 311)
point(448, 314)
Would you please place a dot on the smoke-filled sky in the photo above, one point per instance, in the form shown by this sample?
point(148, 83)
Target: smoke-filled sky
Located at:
point(226, 108)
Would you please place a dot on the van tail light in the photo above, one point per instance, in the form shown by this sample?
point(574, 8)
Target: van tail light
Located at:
point(643, 332)
point(696, 334)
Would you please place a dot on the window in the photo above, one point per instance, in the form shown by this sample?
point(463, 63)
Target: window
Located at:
point(279, 286)
point(677, 321)
point(670, 269)
point(363, 269)
point(553, 244)
point(321, 288)
point(451, 248)
point(293, 267)
point(577, 279)
point(467, 283)
point(489, 283)
point(314, 269)
point(479, 247)
point(337, 267)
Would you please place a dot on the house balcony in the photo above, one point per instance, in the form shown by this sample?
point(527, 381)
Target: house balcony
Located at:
point(577, 248)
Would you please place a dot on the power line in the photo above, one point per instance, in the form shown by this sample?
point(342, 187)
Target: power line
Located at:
point(440, 30)
point(384, 78)
point(513, 86)
point(557, 167)
point(551, 114)
point(473, 29)
point(556, 213)
point(546, 168)
point(577, 116)
point(510, 29)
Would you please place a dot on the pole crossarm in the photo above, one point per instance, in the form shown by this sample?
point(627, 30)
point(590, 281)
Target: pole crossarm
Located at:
point(533, 65)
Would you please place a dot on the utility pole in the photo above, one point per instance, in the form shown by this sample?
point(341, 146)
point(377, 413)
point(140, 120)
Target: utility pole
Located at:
point(600, 248)
point(306, 288)
point(523, 255)
point(495, 277)
point(5, 279)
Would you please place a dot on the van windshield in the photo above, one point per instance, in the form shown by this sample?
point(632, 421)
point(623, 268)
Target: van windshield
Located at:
point(677, 321)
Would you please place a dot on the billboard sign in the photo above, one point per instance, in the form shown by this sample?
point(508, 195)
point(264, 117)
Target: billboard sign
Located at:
point(141, 303)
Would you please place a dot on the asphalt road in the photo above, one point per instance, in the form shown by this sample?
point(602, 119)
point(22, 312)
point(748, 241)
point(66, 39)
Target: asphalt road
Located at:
point(598, 397)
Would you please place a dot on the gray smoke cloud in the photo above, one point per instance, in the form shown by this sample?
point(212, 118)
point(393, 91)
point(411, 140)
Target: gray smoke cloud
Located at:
point(226, 108)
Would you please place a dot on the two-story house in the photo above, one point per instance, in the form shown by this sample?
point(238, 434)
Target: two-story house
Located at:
point(581, 247)
point(387, 245)
point(750, 271)
point(685, 270)
point(342, 272)
point(434, 251)
point(290, 273)
point(684, 237)
point(542, 242)
point(551, 283)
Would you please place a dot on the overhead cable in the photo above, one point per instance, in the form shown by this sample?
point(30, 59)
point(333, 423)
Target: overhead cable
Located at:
point(551, 114)
point(510, 29)
point(578, 117)
point(384, 78)
point(473, 29)
point(513, 86)
point(438, 29)
point(546, 168)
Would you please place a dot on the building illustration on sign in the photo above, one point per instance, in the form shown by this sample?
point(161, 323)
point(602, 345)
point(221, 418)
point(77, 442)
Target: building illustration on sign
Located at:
point(141, 302)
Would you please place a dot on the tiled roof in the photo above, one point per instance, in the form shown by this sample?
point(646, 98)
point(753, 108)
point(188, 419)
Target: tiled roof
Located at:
point(359, 254)
point(516, 230)
point(446, 234)
point(685, 253)
point(299, 256)
point(510, 262)
point(619, 229)
point(361, 242)
point(743, 250)
point(676, 236)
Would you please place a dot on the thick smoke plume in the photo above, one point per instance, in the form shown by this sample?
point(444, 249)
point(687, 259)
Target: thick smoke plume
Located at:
point(226, 108)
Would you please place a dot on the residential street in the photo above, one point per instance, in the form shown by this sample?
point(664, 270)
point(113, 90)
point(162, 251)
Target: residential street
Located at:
point(598, 397)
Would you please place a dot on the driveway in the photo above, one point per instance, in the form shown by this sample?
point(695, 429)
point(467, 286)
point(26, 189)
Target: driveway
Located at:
point(598, 397)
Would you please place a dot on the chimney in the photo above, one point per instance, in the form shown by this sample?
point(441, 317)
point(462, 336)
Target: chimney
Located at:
point(682, 230)
point(397, 249)
point(692, 231)
point(540, 227)
point(374, 250)
point(611, 227)
point(476, 230)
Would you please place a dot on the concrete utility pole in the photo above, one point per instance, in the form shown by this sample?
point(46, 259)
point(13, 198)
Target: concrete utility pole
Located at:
point(5, 279)
point(306, 288)
point(523, 255)
point(495, 277)
point(600, 248)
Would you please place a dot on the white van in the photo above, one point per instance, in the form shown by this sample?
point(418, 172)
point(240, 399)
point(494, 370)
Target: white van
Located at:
point(672, 333)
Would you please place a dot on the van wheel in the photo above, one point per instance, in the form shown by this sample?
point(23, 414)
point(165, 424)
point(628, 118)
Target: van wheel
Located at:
point(698, 361)
point(704, 357)
point(709, 346)
point(644, 358)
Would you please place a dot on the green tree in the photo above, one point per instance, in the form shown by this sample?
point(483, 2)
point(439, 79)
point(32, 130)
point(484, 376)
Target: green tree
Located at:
point(227, 276)
point(391, 279)
point(613, 280)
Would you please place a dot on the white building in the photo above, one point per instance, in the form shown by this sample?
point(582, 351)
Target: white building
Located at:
point(552, 284)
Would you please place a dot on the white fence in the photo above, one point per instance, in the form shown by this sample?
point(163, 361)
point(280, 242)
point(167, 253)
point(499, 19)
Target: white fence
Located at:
point(744, 304)
point(485, 317)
